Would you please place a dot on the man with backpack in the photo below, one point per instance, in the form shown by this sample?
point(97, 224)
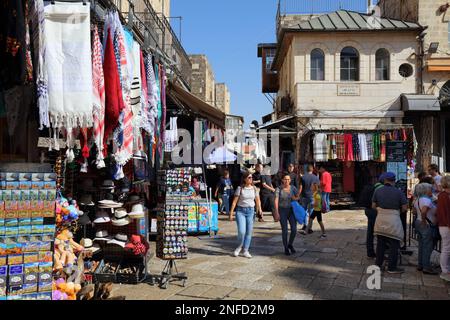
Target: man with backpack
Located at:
point(365, 200)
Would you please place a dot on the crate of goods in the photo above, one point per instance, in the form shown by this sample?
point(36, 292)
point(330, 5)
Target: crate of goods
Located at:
point(130, 273)
point(106, 272)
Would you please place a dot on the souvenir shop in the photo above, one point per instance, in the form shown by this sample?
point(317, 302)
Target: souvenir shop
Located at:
point(82, 146)
point(356, 158)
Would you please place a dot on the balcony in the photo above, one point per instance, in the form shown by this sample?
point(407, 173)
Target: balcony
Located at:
point(157, 34)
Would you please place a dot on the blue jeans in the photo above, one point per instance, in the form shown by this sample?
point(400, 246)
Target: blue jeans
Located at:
point(287, 215)
point(225, 203)
point(308, 204)
point(425, 245)
point(244, 221)
point(371, 218)
point(326, 199)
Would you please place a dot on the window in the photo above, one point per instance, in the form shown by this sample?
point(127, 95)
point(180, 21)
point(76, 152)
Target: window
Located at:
point(406, 70)
point(383, 62)
point(349, 64)
point(270, 57)
point(317, 65)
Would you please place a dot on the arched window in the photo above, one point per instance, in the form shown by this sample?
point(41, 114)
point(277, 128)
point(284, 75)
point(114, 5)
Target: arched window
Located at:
point(317, 65)
point(383, 64)
point(349, 64)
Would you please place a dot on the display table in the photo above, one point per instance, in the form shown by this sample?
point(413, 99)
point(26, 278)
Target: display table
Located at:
point(198, 216)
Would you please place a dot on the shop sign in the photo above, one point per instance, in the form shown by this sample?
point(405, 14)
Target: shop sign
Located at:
point(349, 90)
point(396, 151)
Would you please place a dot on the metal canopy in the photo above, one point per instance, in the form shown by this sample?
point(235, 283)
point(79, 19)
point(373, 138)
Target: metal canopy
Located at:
point(422, 102)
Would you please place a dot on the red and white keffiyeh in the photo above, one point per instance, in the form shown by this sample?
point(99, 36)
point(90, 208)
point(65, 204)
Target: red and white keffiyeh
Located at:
point(98, 80)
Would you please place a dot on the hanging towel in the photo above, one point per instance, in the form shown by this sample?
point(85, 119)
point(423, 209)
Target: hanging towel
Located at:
point(114, 103)
point(348, 143)
point(383, 147)
point(98, 97)
point(363, 152)
point(369, 143)
point(69, 65)
point(320, 147)
point(340, 146)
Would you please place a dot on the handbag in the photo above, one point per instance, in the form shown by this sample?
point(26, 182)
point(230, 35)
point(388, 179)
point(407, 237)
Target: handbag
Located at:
point(434, 228)
point(299, 212)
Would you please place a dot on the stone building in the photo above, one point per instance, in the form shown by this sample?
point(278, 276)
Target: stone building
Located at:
point(223, 98)
point(203, 83)
point(432, 127)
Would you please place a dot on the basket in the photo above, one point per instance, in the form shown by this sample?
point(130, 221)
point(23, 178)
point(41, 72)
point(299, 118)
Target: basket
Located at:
point(130, 278)
point(101, 276)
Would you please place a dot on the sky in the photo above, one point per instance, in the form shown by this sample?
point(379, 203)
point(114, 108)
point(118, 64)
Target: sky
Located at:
point(228, 32)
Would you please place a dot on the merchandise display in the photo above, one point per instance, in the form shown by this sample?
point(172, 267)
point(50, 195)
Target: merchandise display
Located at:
point(27, 235)
point(172, 232)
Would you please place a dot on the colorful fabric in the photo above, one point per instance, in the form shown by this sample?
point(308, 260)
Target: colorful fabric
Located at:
point(376, 147)
point(369, 144)
point(320, 147)
point(68, 34)
point(333, 147)
point(164, 111)
point(114, 103)
point(383, 148)
point(348, 144)
point(98, 81)
point(349, 177)
point(159, 113)
point(356, 148)
point(340, 146)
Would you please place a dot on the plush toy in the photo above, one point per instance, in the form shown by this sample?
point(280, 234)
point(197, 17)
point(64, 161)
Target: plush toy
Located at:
point(65, 249)
point(66, 211)
point(65, 291)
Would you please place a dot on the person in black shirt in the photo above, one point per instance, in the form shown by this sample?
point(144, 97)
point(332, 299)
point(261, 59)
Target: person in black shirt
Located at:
point(267, 195)
point(257, 176)
point(294, 176)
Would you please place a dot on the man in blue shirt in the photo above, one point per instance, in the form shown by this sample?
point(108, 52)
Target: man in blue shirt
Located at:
point(225, 192)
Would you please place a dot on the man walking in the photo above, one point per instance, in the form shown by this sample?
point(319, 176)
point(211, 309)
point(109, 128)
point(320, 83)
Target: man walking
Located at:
point(325, 185)
point(267, 195)
point(308, 180)
point(389, 203)
point(294, 176)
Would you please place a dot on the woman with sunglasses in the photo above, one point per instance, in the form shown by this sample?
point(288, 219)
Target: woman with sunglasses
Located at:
point(245, 200)
point(284, 196)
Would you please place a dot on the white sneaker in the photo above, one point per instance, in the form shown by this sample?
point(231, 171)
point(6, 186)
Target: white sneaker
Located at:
point(237, 251)
point(445, 276)
point(247, 254)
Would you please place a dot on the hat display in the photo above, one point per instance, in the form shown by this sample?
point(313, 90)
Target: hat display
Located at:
point(109, 204)
point(108, 184)
point(86, 200)
point(121, 218)
point(137, 211)
point(102, 235)
point(102, 217)
point(120, 239)
point(83, 218)
point(89, 245)
point(134, 198)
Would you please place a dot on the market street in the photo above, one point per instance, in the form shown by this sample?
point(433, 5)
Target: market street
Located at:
point(334, 268)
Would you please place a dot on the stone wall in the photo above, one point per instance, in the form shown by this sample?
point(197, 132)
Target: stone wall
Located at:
point(202, 79)
point(223, 97)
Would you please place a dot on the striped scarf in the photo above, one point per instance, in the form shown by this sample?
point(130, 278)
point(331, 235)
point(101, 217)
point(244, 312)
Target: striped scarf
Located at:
point(369, 142)
point(98, 80)
point(164, 109)
point(383, 147)
point(340, 147)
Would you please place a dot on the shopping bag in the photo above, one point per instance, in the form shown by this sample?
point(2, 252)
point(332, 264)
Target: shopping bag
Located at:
point(299, 212)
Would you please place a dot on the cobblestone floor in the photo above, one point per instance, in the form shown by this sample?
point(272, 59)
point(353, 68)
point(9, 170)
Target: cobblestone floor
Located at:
point(334, 268)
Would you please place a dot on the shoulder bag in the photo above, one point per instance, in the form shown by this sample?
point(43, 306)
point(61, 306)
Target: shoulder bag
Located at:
point(434, 228)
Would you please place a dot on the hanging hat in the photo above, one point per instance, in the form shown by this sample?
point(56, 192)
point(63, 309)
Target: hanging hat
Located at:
point(109, 196)
point(109, 204)
point(137, 211)
point(102, 217)
point(102, 235)
point(120, 239)
point(83, 219)
point(134, 198)
point(108, 184)
point(86, 200)
point(120, 218)
point(89, 245)
point(137, 246)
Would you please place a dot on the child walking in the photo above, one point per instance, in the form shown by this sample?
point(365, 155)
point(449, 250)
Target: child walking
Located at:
point(317, 212)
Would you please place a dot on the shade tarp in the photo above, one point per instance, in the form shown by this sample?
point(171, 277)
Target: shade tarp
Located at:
point(222, 155)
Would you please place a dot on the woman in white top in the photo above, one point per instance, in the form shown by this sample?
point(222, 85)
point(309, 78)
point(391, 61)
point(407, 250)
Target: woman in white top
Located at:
point(426, 215)
point(245, 199)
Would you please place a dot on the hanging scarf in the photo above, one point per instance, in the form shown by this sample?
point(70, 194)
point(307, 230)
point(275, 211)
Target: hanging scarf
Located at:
point(383, 147)
point(348, 140)
point(114, 103)
point(145, 116)
point(164, 111)
point(98, 80)
point(159, 112)
point(340, 147)
point(38, 38)
point(152, 94)
point(369, 143)
point(376, 147)
point(69, 80)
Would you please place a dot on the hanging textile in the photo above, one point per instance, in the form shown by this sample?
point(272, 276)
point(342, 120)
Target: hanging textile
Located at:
point(98, 80)
point(356, 149)
point(320, 147)
point(114, 103)
point(164, 111)
point(348, 143)
point(376, 147)
point(69, 66)
point(340, 146)
point(382, 147)
point(363, 152)
point(333, 147)
point(349, 177)
point(38, 39)
point(369, 144)
point(152, 93)
point(171, 138)
point(145, 107)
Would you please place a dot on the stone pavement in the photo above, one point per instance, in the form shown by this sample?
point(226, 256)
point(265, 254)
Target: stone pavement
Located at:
point(334, 268)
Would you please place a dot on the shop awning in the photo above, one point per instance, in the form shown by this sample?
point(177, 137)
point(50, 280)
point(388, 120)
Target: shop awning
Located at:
point(423, 102)
point(279, 124)
point(196, 105)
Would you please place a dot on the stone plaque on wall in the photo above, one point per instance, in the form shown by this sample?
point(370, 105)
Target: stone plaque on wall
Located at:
point(349, 90)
